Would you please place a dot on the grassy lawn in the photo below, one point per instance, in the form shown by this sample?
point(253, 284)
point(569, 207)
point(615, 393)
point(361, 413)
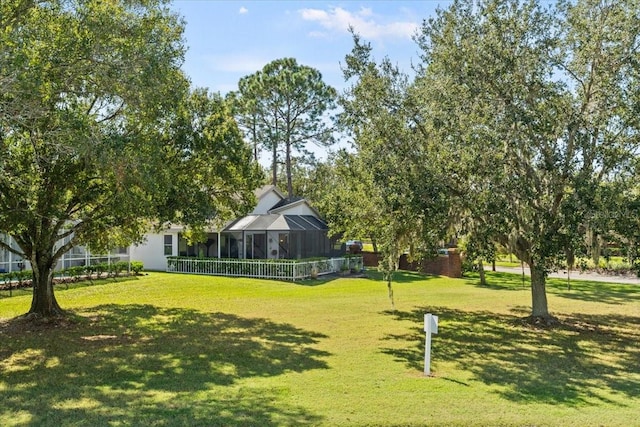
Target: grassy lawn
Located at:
point(507, 261)
point(178, 350)
point(580, 263)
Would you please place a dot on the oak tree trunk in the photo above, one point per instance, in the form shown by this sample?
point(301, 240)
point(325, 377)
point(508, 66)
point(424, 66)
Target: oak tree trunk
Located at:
point(539, 294)
point(43, 303)
point(483, 279)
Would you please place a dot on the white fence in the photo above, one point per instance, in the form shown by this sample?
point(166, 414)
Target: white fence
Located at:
point(263, 269)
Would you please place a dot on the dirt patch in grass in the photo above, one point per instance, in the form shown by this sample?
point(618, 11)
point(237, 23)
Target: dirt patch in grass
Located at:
point(30, 324)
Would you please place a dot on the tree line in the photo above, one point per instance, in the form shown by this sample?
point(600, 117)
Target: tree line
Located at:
point(519, 127)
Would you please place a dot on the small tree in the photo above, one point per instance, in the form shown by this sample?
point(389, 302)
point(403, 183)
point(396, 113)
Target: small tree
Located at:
point(407, 196)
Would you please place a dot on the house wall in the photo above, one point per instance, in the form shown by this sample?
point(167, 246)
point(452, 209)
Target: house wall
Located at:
point(267, 201)
point(151, 252)
point(76, 256)
point(8, 260)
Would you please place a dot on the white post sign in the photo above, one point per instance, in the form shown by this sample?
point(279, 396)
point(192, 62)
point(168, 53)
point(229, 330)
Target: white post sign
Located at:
point(430, 327)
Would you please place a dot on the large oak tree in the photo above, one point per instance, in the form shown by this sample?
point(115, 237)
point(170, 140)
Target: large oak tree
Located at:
point(529, 110)
point(540, 106)
point(100, 136)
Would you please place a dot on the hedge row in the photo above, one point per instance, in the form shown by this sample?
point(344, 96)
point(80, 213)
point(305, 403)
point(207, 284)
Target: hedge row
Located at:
point(23, 278)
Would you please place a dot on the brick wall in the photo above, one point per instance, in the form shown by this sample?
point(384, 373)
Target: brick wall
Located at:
point(444, 265)
point(371, 259)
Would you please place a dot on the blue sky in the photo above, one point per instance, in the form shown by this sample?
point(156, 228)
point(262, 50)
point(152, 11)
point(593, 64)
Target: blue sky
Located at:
point(227, 40)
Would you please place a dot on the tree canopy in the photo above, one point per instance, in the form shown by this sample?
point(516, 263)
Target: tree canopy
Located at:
point(528, 112)
point(100, 136)
point(407, 195)
point(284, 107)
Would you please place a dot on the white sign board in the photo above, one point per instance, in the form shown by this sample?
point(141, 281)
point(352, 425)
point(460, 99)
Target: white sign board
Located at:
point(430, 327)
point(431, 323)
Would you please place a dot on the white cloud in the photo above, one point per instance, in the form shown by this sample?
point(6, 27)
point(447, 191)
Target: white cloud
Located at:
point(365, 23)
point(366, 11)
point(243, 10)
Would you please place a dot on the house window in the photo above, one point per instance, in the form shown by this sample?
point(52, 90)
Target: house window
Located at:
point(168, 244)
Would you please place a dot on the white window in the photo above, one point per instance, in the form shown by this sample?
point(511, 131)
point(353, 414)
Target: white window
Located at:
point(168, 244)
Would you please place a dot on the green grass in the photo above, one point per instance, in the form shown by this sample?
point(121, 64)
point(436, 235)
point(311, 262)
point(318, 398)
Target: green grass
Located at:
point(179, 350)
point(507, 261)
point(615, 263)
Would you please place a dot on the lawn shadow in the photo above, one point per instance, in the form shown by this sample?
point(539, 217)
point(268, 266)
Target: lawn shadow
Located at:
point(63, 285)
point(499, 281)
point(583, 290)
point(400, 276)
point(143, 365)
point(584, 360)
point(328, 278)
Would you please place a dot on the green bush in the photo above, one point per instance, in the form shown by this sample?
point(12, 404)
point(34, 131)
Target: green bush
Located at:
point(101, 268)
point(137, 267)
point(5, 278)
point(118, 267)
point(636, 268)
point(75, 272)
point(612, 251)
point(22, 276)
point(15, 276)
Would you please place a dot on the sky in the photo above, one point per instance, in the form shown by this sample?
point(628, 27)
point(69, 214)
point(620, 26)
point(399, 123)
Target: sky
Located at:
point(228, 40)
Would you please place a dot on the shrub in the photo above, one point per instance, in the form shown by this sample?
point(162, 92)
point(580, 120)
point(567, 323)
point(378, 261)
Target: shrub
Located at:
point(119, 267)
point(636, 267)
point(137, 267)
point(5, 278)
point(100, 269)
point(75, 272)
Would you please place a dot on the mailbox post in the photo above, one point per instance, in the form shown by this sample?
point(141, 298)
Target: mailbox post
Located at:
point(430, 327)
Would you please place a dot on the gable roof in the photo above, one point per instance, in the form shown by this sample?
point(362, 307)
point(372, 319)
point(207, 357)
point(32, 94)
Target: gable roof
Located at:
point(286, 202)
point(277, 222)
point(283, 203)
point(265, 189)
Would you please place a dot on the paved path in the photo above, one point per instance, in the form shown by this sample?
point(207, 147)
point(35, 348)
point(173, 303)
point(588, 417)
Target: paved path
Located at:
point(575, 275)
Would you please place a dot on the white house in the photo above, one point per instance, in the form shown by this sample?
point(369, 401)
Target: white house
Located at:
point(78, 255)
point(278, 227)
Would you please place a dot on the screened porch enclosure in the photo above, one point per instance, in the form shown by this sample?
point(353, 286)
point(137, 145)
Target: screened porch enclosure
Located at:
point(217, 245)
point(264, 237)
point(77, 256)
point(298, 245)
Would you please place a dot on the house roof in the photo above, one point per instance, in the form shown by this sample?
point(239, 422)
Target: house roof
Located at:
point(262, 191)
point(277, 222)
point(286, 202)
point(283, 204)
